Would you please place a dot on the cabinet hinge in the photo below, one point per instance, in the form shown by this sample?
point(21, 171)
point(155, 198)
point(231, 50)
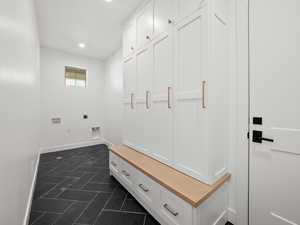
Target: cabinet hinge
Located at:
point(248, 135)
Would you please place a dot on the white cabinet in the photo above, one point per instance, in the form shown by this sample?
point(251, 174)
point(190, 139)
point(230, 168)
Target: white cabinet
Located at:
point(162, 93)
point(190, 153)
point(147, 189)
point(174, 210)
point(129, 115)
point(164, 205)
point(114, 163)
point(143, 98)
point(127, 173)
point(130, 125)
point(129, 38)
point(144, 25)
point(180, 90)
point(202, 96)
point(165, 12)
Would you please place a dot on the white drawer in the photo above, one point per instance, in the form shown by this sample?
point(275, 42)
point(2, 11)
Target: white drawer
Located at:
point(147, 189)
point(114, 163)
point(174, 210)
point(127, 173)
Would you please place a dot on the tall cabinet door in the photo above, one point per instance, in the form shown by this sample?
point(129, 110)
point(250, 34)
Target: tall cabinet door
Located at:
point(162, 107)
point(165, 12)
point(143, 100)
point(144, 25)
point(129, 66)
point(190, 154)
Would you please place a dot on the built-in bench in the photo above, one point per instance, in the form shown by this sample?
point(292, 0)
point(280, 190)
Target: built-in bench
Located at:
point(169, 195)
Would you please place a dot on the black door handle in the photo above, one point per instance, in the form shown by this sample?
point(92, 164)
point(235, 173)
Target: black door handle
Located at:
point(257, 137)
point(267, 139)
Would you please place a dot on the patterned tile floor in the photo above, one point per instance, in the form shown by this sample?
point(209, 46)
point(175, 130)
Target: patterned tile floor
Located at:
point(74, 188)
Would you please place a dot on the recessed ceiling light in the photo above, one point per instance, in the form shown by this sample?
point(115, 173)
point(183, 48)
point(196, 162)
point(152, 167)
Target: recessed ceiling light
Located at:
point(108, 0)
point(81, 45)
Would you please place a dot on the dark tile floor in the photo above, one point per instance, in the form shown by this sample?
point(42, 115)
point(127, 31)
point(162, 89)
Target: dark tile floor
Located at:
point(74, 188)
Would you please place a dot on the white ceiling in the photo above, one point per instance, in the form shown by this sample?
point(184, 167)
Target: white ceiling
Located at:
point(65, 23)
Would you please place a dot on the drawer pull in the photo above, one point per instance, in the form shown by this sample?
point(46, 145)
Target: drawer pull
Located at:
point(114, 164)
point(131, 101)
point(147, 100)
point(169, 97)
point(172, 211)
point(203, 94)
point(125, 173)
point(143, 188)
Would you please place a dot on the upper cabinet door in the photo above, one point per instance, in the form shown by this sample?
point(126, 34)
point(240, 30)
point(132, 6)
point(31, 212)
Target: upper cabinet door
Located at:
point(190, 154)
point(187, 7)
point(144, 25)
point(129, 67)
point(129, 39)
point(144, 60)
point(165, 12)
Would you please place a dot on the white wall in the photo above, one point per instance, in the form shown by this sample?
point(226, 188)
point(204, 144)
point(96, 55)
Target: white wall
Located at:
point(19, 107)
point(69, 103)
point(114, 99)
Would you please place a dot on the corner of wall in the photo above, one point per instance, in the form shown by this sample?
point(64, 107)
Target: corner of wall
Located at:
point(31, 192)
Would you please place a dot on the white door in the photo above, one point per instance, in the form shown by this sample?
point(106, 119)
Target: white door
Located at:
point(274, 97)
point(164, 15)
point(190, 153)
point(144, 59)
point(144, 25)
point(162, 107)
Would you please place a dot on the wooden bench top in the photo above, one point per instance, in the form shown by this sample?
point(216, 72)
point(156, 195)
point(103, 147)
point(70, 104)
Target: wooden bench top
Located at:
point(189, 189)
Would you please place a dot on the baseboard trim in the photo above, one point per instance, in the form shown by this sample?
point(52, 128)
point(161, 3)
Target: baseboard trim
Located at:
point(29, 202)
point(72, 146)
point(231, 215)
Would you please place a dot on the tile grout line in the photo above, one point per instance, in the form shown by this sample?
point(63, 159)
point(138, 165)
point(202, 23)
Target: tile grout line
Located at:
point(92, 200)
point(39, 211)
point(53, 188)
point(145, 219)
point(85, 173)
point(38, 218)
point(65, 211)
point(107, 201)
point(124, 211)
point(82, 188)
point(124, 201)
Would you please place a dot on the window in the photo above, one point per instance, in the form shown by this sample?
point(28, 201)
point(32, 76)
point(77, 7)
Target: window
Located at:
point(75, 77)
